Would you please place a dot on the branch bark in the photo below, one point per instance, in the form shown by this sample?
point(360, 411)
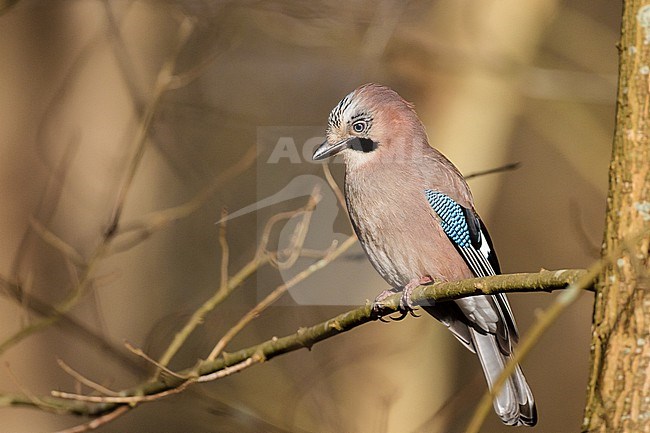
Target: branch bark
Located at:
point(618, 396)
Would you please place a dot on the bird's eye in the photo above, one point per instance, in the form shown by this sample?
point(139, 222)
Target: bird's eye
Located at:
point(359, 126)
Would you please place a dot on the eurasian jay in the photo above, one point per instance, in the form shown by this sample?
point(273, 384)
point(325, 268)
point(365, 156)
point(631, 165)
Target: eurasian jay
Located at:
point(414, 216)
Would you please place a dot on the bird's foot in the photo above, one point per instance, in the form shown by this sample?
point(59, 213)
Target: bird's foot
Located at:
point(405, 302)
point(406, 306)
point(378, 304)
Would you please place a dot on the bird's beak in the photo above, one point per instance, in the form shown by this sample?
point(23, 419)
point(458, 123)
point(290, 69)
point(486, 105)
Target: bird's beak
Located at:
point(326, 149)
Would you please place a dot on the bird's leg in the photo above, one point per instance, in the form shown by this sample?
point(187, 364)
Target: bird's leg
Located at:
point(386, 294)
point(405, 303)
point(379, 300)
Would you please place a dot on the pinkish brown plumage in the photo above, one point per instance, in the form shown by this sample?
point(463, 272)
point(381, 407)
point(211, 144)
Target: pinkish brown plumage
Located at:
point(414, 216)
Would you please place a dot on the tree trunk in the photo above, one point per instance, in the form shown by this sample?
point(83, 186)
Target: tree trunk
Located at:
point(618, 396)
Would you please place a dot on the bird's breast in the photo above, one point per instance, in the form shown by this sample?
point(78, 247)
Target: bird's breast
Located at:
point(397, 230)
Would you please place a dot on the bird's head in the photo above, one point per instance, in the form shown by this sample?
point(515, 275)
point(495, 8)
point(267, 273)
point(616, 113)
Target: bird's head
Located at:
point(372, 122)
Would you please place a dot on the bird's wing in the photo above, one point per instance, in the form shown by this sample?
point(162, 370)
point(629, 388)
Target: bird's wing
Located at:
point(472, 241)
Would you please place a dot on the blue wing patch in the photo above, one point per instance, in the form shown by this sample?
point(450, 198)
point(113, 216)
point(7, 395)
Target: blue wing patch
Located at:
point(463, 227)
point(452, 217)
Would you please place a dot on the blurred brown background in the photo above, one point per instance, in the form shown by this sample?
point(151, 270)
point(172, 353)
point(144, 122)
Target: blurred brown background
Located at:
point(495, 82)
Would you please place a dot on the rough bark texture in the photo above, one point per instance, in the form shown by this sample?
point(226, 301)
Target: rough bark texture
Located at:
point(618, 397)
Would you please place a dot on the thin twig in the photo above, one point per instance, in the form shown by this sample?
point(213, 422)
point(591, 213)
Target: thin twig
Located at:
point(299, 235)
point(32, 398)
point(135, 399)
point(335, 187)
point(38, 306)
point(141, 138)
point(317, 254)
point(225, 250)
point(76, 293)
point(256, 358)
point(146, 225)
point(219, 296)
point(543, 323)
point(131, 399)
point(507, 167)
point(97, 422)
point(226, 287)
point(26, 291)
point(85, 280)
point(139, 352)
point(84, 380)
point(275, 294)
point(50, 238)
point(123, 60)
point(262, 248)
point(184, 78)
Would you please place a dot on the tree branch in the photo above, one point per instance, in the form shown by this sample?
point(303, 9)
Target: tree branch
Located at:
point(544, 281)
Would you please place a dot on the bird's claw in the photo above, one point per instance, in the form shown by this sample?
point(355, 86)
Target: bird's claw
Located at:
point(402, 316)
point(405, 302)
point(406, 305)
point(378, 304)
